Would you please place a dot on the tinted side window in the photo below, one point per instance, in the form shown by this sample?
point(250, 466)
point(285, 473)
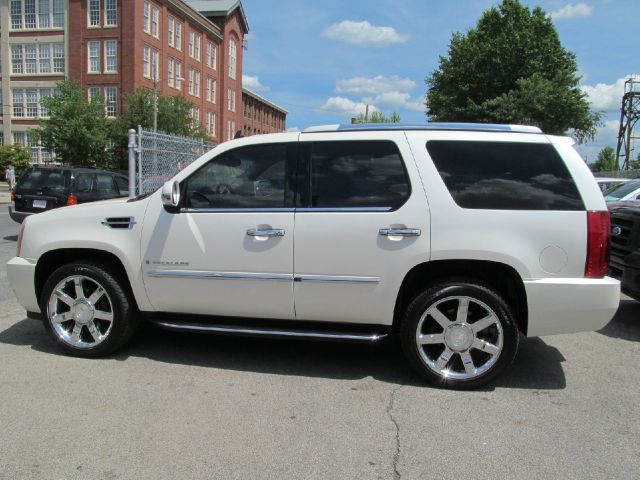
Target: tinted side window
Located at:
point(123, 185)
point(256, 176)
point(505, 175)
point(84, 182)
point(106, 185)
point(357, 174)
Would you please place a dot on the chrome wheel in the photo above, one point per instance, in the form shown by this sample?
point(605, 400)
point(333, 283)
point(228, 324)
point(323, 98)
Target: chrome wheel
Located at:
point(459, 337)
point(80, 312)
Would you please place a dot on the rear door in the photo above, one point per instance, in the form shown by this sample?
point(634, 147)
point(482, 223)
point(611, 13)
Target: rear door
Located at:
point(363, 224)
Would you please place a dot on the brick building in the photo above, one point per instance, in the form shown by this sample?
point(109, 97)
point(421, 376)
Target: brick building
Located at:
point(112, 47)
point(260, 115)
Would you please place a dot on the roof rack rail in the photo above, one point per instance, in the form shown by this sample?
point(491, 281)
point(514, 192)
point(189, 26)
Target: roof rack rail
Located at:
point(473, 127)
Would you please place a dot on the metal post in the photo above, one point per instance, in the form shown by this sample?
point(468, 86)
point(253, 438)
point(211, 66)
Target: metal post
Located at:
point(140, 160)
point(132, 163)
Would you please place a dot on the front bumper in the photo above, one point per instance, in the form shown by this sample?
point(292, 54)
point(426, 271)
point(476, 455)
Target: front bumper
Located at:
point(21, 273)
point(569, 305)
point(16, 216)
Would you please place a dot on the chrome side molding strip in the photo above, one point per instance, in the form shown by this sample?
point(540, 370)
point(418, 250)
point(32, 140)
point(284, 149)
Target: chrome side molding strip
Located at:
point(268, 332)
point(341, 278)
point(217, 275)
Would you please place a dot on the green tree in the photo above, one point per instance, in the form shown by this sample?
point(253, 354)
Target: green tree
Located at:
point(378, 117)
point(511, 68)
point(77, 130)
point(16, 155)
point(606, 161)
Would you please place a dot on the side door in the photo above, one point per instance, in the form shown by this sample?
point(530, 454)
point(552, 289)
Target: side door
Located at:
point(229, 250)
point(363, 225)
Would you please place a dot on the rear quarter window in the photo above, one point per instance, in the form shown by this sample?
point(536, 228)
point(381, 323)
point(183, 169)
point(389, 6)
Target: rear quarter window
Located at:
point(505, 175)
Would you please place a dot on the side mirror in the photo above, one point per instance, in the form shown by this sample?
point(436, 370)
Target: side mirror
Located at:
point(171, 194)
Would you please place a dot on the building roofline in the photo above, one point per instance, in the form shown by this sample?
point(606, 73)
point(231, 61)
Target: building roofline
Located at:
point(246, 91)
point(197, 17)
point(216, 12)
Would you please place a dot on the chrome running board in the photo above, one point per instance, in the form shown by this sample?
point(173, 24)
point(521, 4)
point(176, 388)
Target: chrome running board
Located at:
point(271, 332)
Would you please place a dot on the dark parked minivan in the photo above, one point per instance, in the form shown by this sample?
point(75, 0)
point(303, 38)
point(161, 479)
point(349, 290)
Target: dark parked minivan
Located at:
point(43, 188)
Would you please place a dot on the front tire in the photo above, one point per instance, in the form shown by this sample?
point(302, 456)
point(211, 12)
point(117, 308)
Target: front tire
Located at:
point(87, 310)
point(459, 334)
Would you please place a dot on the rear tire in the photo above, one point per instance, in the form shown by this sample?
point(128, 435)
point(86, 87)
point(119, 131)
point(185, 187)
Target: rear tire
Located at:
point(459, 334)
point(87, 310)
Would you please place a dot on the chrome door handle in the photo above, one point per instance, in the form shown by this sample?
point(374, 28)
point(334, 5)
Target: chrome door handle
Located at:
point(400, 232)
point(268, 232)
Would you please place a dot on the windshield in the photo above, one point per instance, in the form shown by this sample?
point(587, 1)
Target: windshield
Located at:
point(52, 180)
point(621, 191)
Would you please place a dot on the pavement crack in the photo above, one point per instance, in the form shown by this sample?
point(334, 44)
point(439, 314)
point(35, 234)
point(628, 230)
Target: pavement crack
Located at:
point(389, 410)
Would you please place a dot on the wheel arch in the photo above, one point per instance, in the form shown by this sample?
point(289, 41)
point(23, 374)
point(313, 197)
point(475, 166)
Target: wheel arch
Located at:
point(54, 259)
point(503, 278)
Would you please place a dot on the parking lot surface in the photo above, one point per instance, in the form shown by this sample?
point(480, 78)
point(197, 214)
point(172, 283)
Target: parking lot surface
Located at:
point(173, 406)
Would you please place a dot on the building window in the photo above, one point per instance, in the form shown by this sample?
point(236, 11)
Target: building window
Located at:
point(196, 83)
point(36, 14)
point(110, 101)
point(110, 13)
point(155, 21)
point(36, 59)
point(195, 117)
point(195, 42)
point(178, 36)
point(58, 13)
point(212, 51)
point(211, 124)
point(92, 93)
point(147, 16)
point(172, 31)
point(232, 58)
point(146, 61)
point(30, 14)
point(171, 73)
point(111, 56)
point(192, 75)
point(211, 90)
point(93, 13)
point(16, 14)
point(231, 100)
point(44, 15)
point(27, 103)
point(179, 78)
point(231, 128)
point(94, 56)
point(155, 64)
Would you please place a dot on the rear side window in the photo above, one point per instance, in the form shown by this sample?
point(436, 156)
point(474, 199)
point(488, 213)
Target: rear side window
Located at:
point(106, 185)
point(505, 175)
point(357, 174)
point(84, 182)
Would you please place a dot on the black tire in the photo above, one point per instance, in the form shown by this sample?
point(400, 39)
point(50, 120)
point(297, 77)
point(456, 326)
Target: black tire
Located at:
point(125, 318)
point(443, 296)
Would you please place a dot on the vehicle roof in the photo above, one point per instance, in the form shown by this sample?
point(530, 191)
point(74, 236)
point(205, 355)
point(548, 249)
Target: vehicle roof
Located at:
point(86, 168)
point(474, 127)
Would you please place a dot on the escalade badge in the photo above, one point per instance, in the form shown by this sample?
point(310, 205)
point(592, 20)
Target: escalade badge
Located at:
point(616, 230)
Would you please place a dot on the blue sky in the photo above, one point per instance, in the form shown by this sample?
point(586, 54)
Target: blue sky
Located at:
point(323, 61)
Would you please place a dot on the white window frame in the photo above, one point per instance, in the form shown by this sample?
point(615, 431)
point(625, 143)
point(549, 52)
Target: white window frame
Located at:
point(171, 31)
point(92, 20)
point(44, 16)
point(211, 123)
point(212, 55)
point(111, 101)
point(54, 58)
point(192, 41)
point(94, 57)
point(114, 10)
point(198, 47)
point(155, 65)
point(171, 73)
point(179, 79)
point(233, 47)
point(146, 61)
point(231, 129)
point(20, 102)
point(191, 81)
point(155, 21)
point(107, 69)
point(231, 100)
point(179, 30)
point(146, 17)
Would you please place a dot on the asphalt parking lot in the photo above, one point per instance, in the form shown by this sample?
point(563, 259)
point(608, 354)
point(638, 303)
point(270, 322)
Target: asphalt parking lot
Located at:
point(176, 406)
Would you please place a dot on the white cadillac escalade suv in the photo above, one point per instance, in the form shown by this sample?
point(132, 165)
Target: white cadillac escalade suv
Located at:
point(458, 238)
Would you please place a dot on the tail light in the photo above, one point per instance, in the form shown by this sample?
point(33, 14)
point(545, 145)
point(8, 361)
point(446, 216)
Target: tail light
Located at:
point(598, 244)
point(72, 200)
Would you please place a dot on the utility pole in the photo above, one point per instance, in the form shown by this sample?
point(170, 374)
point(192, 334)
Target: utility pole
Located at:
point(366, 114)
point(629, 116)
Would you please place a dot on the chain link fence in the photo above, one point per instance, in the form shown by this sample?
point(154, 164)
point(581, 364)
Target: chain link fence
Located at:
point(156, 157)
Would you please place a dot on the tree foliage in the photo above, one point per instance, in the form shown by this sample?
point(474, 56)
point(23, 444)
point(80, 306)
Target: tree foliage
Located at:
point(606, 161)
point(17, 156)
point(378, 117)
point(77, 130)
point(511, 68)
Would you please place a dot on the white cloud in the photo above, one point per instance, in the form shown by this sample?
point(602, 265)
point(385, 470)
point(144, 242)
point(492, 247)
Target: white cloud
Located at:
point(572, 11)
point(397, 101)
point(253, 84)
point(364, 34)
point(375, 86)
point(344, 106)
point(606, 96)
